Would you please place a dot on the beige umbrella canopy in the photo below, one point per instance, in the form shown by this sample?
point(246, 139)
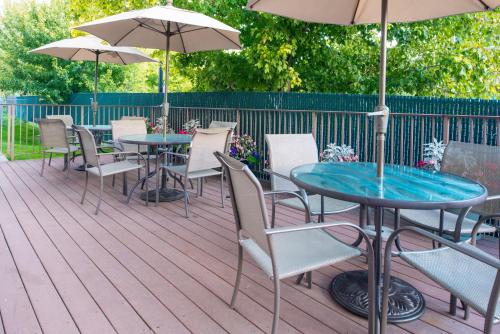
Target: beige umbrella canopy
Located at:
point(91, 48)
point(165, 28)
point(349, 12)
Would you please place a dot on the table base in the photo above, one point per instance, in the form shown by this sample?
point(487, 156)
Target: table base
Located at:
point(350, 290)
point(166, 195)
point(80, 168)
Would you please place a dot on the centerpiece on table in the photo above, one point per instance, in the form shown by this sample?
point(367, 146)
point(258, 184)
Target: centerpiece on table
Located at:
point(336, 153)
point(433, 155)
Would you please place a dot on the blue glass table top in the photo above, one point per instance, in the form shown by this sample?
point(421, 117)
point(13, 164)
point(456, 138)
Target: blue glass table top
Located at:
point(402, 187)
point(156, 139)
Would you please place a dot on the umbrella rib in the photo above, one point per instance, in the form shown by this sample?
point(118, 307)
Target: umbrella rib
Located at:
point(486, 7)
point(180, 35)
point(255, 2)
point(229, 39)
point(119, 56)
point(355, 12)
point(185, 32)
point(74, 54)
point(127, 33)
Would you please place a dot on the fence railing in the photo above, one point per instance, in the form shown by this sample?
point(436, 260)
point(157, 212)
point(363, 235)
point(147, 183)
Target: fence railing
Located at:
point(19, 136)
point(407, 132)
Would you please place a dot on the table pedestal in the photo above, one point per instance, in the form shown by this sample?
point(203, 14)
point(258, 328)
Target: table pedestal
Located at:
point(166, 195)
point(350, 289)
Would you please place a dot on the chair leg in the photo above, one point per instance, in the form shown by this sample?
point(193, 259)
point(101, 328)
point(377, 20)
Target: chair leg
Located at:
point(466, 310)
point(85, 188)
point(309, 279)
point(50, 158)
point(238, 276)
point(276, 316)
point(101, 190)
point(113, 181)
point(273, 210)
point(453, 305)
point(66, 158)
point(43, 163)
point(222, 189)
point(385, 298)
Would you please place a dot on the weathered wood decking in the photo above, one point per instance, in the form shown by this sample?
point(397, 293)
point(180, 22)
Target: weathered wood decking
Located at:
point(136, 269)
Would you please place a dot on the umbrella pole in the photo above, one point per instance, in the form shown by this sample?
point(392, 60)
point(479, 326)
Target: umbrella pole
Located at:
point(382, 111)
point(96, 80)
point(167, 77)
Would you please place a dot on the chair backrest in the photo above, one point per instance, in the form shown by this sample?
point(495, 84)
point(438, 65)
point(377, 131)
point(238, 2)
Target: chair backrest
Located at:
point(67, 119)
point(53, 133)
point(88, 146)
point(477, 162)
point(204, 144)
point(126, 127)
point(247, 198)
point(287, 151)
point(220, 124)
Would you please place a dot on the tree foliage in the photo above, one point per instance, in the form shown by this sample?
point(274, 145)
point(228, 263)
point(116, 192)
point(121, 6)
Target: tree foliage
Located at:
point(27, 26)
point(451, 57)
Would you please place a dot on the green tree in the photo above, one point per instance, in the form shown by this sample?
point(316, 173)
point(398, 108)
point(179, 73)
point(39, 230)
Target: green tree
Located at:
point(27, 26)
point(450, 57)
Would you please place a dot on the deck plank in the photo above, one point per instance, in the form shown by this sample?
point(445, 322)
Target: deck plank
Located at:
point(147, 305)
point(50, 310)
point(15, 305)
point(184, 267)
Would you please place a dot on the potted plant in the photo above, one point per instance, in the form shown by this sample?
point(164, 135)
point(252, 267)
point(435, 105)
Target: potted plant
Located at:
point(244, 148)
point(336, 153)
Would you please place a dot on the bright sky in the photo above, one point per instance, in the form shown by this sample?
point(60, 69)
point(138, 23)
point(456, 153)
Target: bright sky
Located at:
point(3, 2)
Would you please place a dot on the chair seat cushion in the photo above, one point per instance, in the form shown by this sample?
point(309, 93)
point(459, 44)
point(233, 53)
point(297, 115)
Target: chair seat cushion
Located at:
point(299, 252)
point(429, 220)
point(63, 150)
point(181, 170)
point(114, 168)
point(465, 277)
point(331, 205)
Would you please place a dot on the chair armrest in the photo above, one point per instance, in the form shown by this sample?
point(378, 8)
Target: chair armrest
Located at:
point(493, 198)
point(455, 246)
point(184, 156)
point(480, 222)
point(311, 226)
point(302, 200)
point(273, 173)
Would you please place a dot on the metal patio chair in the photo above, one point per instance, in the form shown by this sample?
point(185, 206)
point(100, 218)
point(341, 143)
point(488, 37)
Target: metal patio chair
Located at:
point(228, 125)
point(464, 270)
point(284, 252)
point(198, 164)
point(94, 166)
point(54, 139)
point(287, 151)
point(480, 163)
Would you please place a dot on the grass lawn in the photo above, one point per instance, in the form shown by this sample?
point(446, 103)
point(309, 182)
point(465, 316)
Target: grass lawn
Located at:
point(27, 140)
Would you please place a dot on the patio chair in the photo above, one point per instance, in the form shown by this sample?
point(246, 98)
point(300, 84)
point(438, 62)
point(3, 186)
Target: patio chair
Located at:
point(287, 151)
point(285, 251)
point(68, 121)
point(128, 118)
point(464, 270)
point(54, 139)
point(199, 163)
point(124, 127)
point(228, 125)
point(480, 163)
point(94, 166)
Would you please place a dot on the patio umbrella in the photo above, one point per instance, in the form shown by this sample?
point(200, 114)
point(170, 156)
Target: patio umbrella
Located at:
point(91, 48)
point(349, 12)
point(165, 28)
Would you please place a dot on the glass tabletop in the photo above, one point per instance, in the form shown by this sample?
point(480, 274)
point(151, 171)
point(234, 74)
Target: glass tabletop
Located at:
point(402, 186)
point(156, 139)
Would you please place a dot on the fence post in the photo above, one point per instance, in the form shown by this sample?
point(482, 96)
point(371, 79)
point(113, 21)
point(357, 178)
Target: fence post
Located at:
point(238, 119)
point(446, 129)
point(8, 130)
point(498, 132)
point(11, 131)
point(82, 115)
point(314, 125)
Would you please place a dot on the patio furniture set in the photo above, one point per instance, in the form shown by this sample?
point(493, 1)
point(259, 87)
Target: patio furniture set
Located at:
point(449, 208)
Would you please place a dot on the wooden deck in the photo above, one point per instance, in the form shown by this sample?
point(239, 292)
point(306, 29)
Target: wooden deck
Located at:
point(137, 269)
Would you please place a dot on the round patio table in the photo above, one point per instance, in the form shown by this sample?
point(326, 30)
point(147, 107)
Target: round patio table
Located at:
point(158, 140)
point(401, 188)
